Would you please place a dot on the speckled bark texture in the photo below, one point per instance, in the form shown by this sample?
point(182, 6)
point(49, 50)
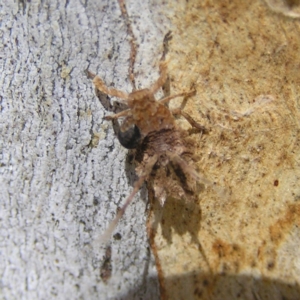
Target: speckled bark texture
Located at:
point(63, 173)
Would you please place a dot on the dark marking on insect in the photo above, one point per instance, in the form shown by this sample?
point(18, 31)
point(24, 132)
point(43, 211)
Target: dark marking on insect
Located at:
point(129, 138)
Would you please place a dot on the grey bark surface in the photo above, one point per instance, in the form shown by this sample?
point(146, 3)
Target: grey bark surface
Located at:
point(63, 173)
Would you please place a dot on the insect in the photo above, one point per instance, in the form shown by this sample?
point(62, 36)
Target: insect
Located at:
point(162, 150)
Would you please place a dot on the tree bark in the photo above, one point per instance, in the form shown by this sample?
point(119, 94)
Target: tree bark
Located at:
point(63, 172)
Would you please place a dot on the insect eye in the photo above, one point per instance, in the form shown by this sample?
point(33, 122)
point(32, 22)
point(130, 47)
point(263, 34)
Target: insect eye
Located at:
point(130, 138)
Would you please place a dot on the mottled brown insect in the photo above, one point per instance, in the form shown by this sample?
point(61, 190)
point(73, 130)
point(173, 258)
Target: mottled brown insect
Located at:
point(162, 151)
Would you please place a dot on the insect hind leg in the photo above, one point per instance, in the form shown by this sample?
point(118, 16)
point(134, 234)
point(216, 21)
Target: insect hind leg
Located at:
point(175, 158)
point(137, 185)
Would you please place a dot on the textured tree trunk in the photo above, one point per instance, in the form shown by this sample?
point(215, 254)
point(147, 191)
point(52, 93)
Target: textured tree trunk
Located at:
point(63, 172)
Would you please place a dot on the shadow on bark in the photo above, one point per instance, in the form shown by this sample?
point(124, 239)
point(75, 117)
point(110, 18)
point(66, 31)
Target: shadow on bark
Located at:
point(198, 285)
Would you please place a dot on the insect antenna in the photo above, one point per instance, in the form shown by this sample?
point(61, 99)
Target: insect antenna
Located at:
point(133, 43)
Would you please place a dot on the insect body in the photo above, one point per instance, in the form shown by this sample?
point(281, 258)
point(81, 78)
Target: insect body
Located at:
point(163, 154)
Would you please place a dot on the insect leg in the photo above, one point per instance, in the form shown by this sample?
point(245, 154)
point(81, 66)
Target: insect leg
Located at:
point(100, 85)
point(175, 158)
point(167, 38)
point(123, 113)
point(167, 99)
point(178, 111)
point(162, 78)
point(137, 185)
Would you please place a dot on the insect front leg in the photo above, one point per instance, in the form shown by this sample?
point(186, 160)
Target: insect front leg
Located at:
point(162, 65)
point(123, 113)
point(100, 85)
point(178, 111)
point(162, 77)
